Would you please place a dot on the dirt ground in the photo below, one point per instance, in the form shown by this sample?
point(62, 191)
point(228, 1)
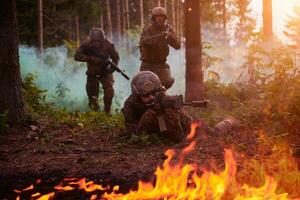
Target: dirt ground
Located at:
point(50, 152)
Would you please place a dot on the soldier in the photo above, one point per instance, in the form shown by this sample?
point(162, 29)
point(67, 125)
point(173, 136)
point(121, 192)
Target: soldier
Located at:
point(150, 110)
point(95, 51)
point(144, 112)
point(154, 46)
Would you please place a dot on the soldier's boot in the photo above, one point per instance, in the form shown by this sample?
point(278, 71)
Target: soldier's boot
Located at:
point(107, 98)
point(224, 126)
point(107, 109)
point(93, 103)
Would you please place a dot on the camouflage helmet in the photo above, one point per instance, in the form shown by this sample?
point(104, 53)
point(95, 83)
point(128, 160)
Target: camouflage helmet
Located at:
point(145, 83)
point(158, 11)
point(96, 34)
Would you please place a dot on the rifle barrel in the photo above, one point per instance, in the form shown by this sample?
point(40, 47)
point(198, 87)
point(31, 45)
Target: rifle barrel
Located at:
point(114, 65)
point(196, 103)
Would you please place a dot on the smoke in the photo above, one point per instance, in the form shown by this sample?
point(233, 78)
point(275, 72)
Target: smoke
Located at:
point(233, 55)
point(64, 79)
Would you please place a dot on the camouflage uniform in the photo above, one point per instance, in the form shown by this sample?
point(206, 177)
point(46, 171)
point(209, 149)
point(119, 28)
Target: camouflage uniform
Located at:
point(140, 117)
point(154, 48)
point(97, 71)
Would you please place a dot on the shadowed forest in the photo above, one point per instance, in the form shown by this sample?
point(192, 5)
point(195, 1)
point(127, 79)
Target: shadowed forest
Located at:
point(234, 54)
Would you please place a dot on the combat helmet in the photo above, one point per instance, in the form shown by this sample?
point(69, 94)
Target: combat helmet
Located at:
point(145, 83)
point(96, 34)
point(158, 11)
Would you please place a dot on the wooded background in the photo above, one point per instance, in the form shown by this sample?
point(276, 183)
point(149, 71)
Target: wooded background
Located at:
point(53, 22)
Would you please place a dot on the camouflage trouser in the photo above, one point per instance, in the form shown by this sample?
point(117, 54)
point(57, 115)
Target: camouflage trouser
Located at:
point(162, 70)
point(177, 124)
point(92, 89)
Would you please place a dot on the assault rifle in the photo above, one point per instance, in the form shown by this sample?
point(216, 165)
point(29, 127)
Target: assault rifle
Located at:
point(176, 101)
point(108, 63)
point(114, 67)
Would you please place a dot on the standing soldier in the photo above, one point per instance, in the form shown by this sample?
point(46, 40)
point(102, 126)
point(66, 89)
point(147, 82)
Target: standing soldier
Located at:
point(96, 50)
point(154, 46)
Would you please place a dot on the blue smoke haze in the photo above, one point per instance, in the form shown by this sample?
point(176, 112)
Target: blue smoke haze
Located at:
point(56, 70)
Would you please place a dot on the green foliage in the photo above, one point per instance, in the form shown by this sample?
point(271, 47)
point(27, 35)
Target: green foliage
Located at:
point(61, 92)
point(71, 45)
point(34, 97)
point(293, 26)
point(38, 107)
point(270, 102)
point(90, 119)
point(207, 59)
point(246, 23)
point(134, 33)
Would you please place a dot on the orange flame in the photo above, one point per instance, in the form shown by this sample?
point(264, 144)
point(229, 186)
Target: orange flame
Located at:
point(66, 188)
point(181, 182)
point(193, 130)
point(31, 187)
point(89, 186)
point(189, 148)
point(47, 196)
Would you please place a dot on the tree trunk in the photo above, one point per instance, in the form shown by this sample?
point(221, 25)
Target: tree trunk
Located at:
point(158, 2)
point(194, 76)
point(10, 76)
point(118, 23)
point(123, 24)
point(101, 22)
point(70, 28)
point(109, 23)
point(77, 31)
point(127, 14)
point(142, 12)
point(173, 14)
point(166, 5)
point(267, 19)
point(178, 2)
point(40, 25)
point(224, 17)
point(128, 44)
point(101, 15)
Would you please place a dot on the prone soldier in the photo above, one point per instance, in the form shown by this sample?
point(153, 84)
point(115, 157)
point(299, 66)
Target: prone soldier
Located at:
point(96, 50)
point(154, 46)
point(150, 110)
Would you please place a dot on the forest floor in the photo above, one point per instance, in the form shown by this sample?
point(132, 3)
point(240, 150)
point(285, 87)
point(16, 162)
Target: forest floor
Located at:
point(51, 151)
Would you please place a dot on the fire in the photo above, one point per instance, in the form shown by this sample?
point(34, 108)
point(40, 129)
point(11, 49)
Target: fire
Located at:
point(180, 181)
point(193, 130)
point(177, 182)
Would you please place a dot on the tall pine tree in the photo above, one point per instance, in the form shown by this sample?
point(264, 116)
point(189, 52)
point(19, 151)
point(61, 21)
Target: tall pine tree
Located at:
point(10, 76)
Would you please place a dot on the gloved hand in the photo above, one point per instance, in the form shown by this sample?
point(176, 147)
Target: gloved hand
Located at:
point(110, 70)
